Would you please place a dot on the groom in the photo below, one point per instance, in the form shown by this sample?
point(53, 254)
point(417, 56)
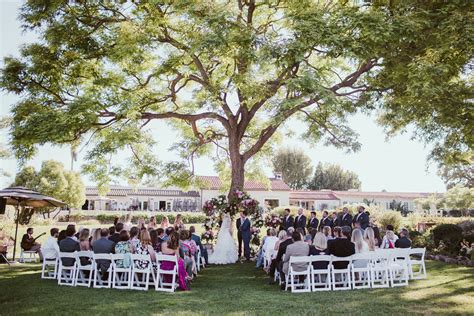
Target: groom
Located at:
point(244, 229)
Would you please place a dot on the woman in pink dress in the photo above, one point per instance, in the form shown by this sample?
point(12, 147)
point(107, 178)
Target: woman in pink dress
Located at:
point(171, 247)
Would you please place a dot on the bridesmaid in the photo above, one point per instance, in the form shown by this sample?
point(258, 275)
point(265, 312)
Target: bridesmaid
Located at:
point(165, 223)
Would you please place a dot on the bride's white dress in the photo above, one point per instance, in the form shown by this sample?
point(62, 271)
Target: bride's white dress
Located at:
point(225, 251)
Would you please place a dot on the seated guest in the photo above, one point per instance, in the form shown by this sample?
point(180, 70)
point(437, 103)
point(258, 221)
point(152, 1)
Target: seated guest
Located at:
point(327, 231)
point(342, 247)
point(168, 231)
point(111, 230)
point(188, 250)
point(388, 241)
point(28, 243)
point(277, 263)
point(269, 245)
point(319, 247)
point(313, 232)
point(69, 244)
point(123, 246)
point(377, 237)
point(95, 235)
point(115, 237)
point(308, 239)
point(154, 240)
point(171, 247)
point(336, 233)
point(145, 248)
point(50, 249)
point(313, 221)
point(369, 238)
point(84, 243)
point(360, 244)
point(134, 240)
point(197, 240)
point(61, 235)
point(103, 245)
point(403, 241)
point(297, 249)
point(325, 221)
point(260, 254)
point(5, 242)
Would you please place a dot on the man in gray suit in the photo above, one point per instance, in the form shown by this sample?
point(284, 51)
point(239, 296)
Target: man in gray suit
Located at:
point(69, 244)
point(103, 245)
point(298, 249)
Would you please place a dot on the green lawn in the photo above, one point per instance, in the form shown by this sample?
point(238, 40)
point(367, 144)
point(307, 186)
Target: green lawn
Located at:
point(238, 289)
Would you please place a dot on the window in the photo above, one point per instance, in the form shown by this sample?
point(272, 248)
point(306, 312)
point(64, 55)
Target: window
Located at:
point(271, 203)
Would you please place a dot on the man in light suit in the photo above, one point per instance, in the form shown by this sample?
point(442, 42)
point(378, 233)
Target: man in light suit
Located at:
point(346, 218)
point(288, 220)
point(69, 244)
point(300, 221)
point(246, 234)
point(103, 245)
point(298, 249)
point(361, 218)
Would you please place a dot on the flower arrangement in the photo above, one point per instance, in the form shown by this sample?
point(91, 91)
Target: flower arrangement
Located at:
point(208, 236)
point(273, 221)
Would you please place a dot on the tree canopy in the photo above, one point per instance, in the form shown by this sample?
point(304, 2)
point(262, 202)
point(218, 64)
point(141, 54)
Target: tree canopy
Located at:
point(294, 165)
point(53, 180)
point(228, 74)
point(333, 177)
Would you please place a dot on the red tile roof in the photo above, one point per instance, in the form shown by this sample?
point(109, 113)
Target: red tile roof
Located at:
point(124, 191)
point(214, 183)
point(341, 195)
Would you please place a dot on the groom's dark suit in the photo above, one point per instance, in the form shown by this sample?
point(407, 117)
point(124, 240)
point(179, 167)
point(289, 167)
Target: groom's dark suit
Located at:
point(246, 236)
point(239, 235)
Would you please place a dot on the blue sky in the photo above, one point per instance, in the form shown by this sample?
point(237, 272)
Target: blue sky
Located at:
point(396, 164)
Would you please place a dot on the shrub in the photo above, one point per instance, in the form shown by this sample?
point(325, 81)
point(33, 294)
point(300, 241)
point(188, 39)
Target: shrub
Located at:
point(188, 218)
point(467, 228)
point(448, 237)
point(393, 218)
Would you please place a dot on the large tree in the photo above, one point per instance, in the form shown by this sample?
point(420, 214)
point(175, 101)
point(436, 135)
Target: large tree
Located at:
point(294, 165)
point(229, 74)
point(333, 177)
point(53, 180)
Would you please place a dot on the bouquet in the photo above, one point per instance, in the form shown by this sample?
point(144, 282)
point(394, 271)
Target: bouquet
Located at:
point(207, 236)
point(273, 221)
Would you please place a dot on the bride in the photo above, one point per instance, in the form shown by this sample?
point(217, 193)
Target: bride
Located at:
point(225, 251)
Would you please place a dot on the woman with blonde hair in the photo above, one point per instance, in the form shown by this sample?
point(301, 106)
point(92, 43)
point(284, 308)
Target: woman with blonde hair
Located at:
point(127, 225)
point(84, 242)
point(388, 241)
point(369, 237)
point(358, 239)
point(327, 231)
point(281, 238)
point(178, 222)
point(165, 222)
point(95, 235)
point(319, 247)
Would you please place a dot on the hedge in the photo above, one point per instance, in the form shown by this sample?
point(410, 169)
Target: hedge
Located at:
point(187, 217)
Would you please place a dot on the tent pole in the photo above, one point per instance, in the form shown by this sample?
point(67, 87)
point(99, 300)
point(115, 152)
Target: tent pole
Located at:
point(16, 228)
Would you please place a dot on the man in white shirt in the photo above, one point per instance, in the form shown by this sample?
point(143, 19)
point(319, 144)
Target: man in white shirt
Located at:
point(50, 248)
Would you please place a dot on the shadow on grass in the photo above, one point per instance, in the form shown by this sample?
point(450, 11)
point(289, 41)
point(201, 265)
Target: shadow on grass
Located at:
point(238, 288)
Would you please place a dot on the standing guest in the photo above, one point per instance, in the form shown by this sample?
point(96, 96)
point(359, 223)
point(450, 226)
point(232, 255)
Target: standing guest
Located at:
point(342, 247)
point(346, 218)
point(334, 219)
point(313, 221)
point(361, 218)
point(152, 223)
point(145, 248)
point(389, 240)
point(28, 243)
point(325, 221)
point(319, 247)
point(369, 238)
point(103, 245)
point(69, 244)
point(116, 220)
point(178, 222)
point(277, 263)
point(297, 249)
point(171, 247)
point(403, 241)
point(141, 223)
point(125, 247)
point(95, 235)
point(127, 225)
point(238, 223)
point(50, 249)
point(134, 240)
point(197, 240)
point(327, 231)
point(165, 223)
point(116, 236)
point(84, 243)
point(188, 252)
point(288, 220)
point(300, 221)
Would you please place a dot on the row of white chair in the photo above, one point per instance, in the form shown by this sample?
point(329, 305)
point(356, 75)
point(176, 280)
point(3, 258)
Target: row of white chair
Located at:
point(88, 271)
point(374, 269)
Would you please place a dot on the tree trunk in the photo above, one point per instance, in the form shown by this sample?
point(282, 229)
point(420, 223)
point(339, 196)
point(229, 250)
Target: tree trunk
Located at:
point(237, 165)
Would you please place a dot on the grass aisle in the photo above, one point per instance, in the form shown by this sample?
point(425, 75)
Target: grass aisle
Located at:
point(237, 289)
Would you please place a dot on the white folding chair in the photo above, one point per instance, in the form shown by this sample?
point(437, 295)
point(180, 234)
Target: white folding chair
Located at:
point(67, 274)
point(161, 284)
point(121, 275)
point(140, 279)
point(101, 258)
point(379, 269)
point(398, 266)
point(49, 269)
point(341, 278)
point(85, 268)
point(295, 276)
point(267, 258)
point(419, 260)
point(321, 278)
point(360, 270)
point(27, 256)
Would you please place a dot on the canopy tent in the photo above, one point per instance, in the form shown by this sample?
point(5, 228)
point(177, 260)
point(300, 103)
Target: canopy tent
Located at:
point(21, 196)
